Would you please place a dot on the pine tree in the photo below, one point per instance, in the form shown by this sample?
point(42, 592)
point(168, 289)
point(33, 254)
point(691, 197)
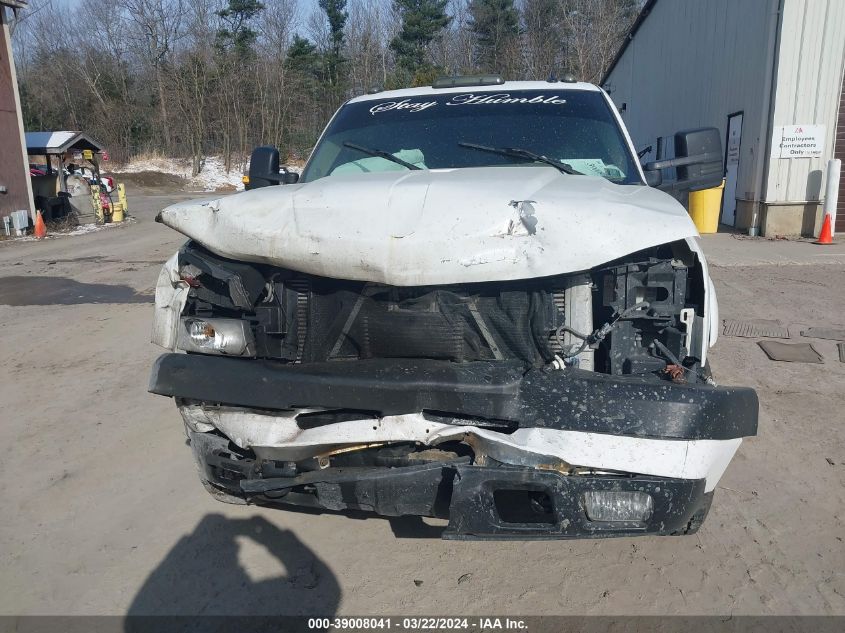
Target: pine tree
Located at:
point(236, 34)
point(335, 11)
point(495, 24)
point(422, 21)
point(302, 56)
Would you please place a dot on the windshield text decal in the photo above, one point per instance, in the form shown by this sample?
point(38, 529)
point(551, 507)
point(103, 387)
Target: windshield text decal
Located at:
point(503, 98)
point(405, 104)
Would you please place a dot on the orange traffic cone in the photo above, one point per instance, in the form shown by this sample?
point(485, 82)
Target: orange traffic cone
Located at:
point(825, 236)
point(40, 227)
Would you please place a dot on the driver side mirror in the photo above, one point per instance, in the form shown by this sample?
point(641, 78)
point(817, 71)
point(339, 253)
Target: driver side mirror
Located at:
point(264, 169)
point(698, 160)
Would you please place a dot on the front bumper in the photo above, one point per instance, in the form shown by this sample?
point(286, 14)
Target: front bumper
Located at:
point(504, 392)
point(480, 502)
point(540, 440)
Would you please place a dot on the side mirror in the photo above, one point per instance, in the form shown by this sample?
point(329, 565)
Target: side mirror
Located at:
point(653, 178)
point(705, 147)
point(698, 160)
point(264, 169)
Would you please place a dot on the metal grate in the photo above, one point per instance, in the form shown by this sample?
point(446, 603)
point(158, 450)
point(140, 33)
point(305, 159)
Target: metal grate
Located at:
point(759, 328)
point(302, 287)
point(559, 300)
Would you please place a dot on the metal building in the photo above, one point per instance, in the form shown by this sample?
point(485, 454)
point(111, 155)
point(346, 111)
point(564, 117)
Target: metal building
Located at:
point(768, 74)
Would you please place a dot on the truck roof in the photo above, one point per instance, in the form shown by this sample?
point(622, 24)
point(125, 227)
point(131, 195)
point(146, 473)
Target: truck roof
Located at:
point(507, 86)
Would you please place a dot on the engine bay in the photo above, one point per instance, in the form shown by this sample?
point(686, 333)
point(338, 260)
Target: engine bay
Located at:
point(639, 315)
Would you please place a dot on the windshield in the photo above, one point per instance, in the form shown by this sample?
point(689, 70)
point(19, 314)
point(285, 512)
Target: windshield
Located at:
point(572, 127)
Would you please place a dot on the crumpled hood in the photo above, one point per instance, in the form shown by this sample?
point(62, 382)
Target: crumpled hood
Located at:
point(436, 227)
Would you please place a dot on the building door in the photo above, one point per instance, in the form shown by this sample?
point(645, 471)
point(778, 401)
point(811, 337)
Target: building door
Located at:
point(732, 144)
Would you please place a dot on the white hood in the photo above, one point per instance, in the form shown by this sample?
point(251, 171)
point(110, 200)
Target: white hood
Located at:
point(413, 228)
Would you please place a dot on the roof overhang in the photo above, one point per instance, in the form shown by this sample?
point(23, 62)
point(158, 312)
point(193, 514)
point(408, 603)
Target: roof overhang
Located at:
point(52, 143)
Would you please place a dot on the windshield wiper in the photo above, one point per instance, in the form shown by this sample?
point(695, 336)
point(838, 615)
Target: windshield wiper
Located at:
point(524, 154)
point(381, 154)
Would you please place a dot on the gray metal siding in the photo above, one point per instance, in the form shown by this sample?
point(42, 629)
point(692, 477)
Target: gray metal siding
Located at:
point(811, 59)
point(840, 154)
point(691, 64)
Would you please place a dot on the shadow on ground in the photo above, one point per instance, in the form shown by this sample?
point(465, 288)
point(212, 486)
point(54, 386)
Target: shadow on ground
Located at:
point(403, 527)
point(202, 576)
point(45, 291)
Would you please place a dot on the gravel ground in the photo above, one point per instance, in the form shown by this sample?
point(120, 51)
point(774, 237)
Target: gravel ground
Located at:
point(103, 513)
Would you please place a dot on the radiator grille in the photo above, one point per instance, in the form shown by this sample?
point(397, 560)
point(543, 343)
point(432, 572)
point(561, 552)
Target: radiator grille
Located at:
point(303, 292)
point(346, 320)
point(559, 301)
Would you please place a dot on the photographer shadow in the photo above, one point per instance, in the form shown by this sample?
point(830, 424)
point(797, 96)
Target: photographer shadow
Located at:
point(202, 576)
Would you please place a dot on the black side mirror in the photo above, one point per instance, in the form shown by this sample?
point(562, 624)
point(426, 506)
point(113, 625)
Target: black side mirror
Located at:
point(653, 178)
point(264, 169)
point(289, 177)
point(698, 160)
point(705, 146)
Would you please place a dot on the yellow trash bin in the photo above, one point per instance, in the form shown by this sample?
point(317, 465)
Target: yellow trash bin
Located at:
point(704, 208)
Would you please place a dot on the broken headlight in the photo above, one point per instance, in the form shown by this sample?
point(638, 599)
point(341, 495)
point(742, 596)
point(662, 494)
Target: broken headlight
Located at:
point(231, 337)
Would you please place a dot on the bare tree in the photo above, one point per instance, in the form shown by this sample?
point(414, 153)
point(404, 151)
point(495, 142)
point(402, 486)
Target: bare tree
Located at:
point(594, 30)
point(152, 75)
point(542, 39)
point(155, 29)
point(368, 31)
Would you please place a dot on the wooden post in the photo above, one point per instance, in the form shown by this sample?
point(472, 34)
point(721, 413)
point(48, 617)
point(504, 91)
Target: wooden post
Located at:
point(14, 167)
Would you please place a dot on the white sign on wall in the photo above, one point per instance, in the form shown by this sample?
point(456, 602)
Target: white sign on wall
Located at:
point(798, 141)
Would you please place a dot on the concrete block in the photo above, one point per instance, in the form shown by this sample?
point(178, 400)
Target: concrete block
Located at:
point(801, 219)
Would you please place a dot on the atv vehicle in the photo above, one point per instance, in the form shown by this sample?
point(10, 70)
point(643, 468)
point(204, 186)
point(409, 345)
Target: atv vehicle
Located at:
point(470, 305)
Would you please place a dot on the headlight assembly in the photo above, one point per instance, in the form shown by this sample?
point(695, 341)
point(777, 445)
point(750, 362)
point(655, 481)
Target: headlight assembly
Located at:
point(230, 337)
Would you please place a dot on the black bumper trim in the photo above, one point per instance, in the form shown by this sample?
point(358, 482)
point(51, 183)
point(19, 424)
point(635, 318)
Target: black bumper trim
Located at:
point(474, 513)
point(480, 502)
point(567, 400)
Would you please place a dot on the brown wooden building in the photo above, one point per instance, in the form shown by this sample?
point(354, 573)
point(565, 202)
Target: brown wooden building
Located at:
point(15, 186)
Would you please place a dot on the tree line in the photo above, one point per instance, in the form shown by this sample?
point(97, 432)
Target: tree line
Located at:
point(192, 78)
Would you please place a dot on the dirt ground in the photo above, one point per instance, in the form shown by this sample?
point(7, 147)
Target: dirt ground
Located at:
point(102, 512)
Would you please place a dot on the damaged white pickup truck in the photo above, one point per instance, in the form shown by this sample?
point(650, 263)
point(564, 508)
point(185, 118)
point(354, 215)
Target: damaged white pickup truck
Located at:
point(473, 304)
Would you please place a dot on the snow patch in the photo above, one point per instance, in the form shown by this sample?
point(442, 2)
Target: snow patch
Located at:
point(212, 177)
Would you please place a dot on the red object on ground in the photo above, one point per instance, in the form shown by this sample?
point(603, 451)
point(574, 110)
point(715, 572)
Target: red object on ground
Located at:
point(825, 237)
point(40, 227)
